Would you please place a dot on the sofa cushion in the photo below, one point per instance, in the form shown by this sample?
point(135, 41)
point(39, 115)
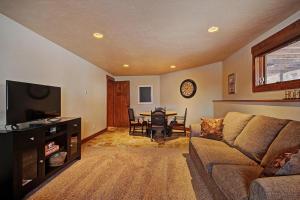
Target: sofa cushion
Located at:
point(234, 180)
point(258, 135)
point(288, 138)
point(234, 123)
point(218, 152)
point(200, 141)
point(275, 188)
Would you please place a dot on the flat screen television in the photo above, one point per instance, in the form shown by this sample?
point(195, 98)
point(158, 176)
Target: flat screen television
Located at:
point(28, 102)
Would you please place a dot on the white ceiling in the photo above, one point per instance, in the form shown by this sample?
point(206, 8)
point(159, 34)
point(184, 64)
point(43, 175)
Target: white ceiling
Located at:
point(149, 35)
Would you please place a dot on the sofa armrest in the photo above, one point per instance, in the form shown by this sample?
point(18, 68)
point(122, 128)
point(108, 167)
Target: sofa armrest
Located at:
point(195, 130)
point(278, 187)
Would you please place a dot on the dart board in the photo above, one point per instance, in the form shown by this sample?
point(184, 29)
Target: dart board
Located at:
point(188, 88)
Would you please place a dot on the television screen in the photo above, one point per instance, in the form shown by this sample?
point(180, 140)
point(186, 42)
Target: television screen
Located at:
point(27, 102)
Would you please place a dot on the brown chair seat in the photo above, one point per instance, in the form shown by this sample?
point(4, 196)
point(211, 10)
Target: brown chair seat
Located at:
point(135, 123)
point(179, 123)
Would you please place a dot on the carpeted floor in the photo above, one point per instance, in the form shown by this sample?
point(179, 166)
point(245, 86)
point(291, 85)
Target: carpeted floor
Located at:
point(120, 137)
point(113, 167)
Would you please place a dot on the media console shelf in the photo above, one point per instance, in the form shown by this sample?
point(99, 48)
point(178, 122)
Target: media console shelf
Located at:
point(23, 160)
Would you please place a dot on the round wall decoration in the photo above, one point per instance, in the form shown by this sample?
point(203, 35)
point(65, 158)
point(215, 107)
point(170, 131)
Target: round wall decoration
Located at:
point(188, 88)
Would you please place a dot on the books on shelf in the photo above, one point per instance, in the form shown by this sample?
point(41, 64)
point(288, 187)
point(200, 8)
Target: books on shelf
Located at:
point(51, 148)
point(74, 140)
point(50, 144)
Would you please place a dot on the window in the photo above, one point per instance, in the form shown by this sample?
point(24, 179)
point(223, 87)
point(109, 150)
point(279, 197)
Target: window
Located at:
point(283, 64)
point(276, 61)
point(145, 94)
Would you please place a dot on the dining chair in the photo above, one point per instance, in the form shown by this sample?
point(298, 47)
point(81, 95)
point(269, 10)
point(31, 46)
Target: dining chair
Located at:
point(161, 109)
point(158, 123)
point(179, 123)
point(157, 109)
point(135, 122)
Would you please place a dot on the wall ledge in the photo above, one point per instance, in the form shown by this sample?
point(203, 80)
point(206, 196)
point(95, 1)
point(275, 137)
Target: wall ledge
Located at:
point(261, 100)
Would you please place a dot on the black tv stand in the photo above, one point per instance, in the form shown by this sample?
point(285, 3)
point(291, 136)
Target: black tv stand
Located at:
point(24, 164)
point(35, 125)
point(54, 120)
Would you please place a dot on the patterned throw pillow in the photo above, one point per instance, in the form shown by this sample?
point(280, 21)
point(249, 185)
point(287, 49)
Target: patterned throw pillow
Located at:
point(285, 164)
point(212, 128)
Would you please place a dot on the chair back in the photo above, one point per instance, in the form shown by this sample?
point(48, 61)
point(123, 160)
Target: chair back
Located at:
point(160, 109)
point(185, 113)
point(131, 115)
point(158, 118)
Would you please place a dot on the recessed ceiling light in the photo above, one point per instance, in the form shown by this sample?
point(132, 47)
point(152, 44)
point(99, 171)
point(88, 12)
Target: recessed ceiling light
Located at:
point(98, 35)
point(125, 65)
point(213, 29)
point(172, 66)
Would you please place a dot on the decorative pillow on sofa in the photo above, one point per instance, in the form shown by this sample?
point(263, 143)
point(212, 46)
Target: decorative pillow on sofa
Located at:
point(258, 135)
point(287, 163)
point(212, 128)
point(234, 123)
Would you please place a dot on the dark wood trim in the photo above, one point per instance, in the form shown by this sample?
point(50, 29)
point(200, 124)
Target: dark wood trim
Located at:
point(294, 84)
point(253, 75)
point(110, 78)
point(280, 39)
point(92, 136)
point(110, 87)
point(261, 100)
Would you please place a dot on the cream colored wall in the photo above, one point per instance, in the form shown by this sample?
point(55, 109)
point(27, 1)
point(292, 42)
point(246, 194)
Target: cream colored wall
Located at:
point(26, 56)
point(135, 81)
point(279, 110)
point(241, 63)
point(209, 87)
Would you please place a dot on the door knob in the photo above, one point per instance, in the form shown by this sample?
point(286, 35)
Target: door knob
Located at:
point(32, 138)
point(41, 161)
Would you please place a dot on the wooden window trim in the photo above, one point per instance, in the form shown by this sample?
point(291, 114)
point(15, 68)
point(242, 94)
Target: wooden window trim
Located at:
point(280, 39)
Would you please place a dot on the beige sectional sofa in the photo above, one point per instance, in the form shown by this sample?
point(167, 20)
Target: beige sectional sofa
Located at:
point(231, 167)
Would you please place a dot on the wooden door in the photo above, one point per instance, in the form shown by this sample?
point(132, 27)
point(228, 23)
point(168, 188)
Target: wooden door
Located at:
point(121, 103)
point(110, 101)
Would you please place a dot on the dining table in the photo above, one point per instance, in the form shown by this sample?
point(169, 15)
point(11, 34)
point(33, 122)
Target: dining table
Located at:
point(168, 113)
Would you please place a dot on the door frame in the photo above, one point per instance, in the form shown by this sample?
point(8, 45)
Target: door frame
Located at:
point(109, 79)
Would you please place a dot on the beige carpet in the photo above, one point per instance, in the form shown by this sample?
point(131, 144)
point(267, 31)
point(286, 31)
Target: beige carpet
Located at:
point(125, 171)
point(120, 137)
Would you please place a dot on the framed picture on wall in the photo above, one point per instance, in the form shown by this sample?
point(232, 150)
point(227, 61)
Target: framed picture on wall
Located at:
point(145, 94)
point(232, 83)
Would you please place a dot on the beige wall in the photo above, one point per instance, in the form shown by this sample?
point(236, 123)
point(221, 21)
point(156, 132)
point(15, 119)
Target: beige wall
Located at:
point(26, 56)
point(209, 87)
point(241, 63)
point(135, 81)
point(279, 110)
